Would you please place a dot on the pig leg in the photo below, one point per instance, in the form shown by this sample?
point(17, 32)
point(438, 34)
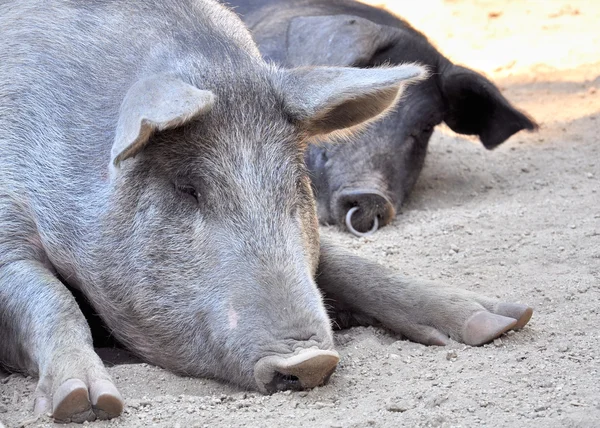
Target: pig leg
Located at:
point(361, 292)
point(44, 333)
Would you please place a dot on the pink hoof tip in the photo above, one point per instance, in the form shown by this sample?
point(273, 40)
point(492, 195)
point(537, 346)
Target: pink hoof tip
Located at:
point(522, 313)
point(483, 327)
point(71, 402)
point(524, 319)
point(106, 399)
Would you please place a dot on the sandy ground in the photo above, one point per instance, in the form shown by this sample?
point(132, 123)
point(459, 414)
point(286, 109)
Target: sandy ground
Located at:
point(520, 223)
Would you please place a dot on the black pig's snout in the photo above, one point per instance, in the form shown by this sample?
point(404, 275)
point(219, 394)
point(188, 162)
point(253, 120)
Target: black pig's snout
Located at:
point(365, 211)
point(307, 369)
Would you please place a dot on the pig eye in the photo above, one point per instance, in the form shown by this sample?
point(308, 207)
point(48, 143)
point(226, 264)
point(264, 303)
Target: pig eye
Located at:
point(188, 190)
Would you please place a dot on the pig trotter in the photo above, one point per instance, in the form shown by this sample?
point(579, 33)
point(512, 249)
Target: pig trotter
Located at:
point(351, 228)
point(74, 402)
point(422, 311)
point(74, 385)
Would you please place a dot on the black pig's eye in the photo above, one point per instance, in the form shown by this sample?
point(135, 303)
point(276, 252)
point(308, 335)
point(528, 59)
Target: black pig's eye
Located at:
point(188, 190)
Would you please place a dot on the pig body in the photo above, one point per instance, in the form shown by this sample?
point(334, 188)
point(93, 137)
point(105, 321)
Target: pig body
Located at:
point(153, 161)
point(374, 176)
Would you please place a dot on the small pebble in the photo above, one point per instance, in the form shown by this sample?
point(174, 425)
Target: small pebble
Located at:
point(437, 401)
point(564, 347)
point(321, 405)
point(497, 342)
point(399, 406)
point(451, 355)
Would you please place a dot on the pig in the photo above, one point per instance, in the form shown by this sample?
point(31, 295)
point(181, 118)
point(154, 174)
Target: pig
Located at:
point(155, 162)
point(363, 185)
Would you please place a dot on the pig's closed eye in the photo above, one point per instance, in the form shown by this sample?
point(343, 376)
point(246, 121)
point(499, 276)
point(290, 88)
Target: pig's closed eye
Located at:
point(188, 191)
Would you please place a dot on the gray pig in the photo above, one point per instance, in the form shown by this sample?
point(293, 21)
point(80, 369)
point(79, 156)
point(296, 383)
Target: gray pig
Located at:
point(363, 185)
point(154, 161)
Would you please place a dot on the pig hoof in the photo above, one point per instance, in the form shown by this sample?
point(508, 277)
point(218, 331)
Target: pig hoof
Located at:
point(71, 402)
point(522, 313)
point(483, 327)
point(425, 335)
point(42, 405)
point(310, 368)
point(433, 337)
point(106, 400)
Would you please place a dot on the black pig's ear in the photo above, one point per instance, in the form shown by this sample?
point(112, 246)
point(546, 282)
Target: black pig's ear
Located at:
point(321, 100)
point(338, 40)
point(476, 107)
point(155, 104)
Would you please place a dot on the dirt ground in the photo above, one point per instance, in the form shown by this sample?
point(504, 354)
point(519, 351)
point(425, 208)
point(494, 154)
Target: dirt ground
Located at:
point(521, 223)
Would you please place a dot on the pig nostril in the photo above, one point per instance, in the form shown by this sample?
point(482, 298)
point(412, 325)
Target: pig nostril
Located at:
point(351, 228)
point(363, 211)
point(283, 382)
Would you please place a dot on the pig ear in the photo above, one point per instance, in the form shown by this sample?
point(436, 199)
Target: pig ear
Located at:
point(338, 40)
point(155, 104)
point(326, 99)
point(476, 107)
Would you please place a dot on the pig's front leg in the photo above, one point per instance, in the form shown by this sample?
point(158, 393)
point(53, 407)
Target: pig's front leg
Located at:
point(358, 291)
point(43, 333)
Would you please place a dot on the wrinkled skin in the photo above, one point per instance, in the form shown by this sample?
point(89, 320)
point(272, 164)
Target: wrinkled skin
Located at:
point(163, 178)
point(377, 172)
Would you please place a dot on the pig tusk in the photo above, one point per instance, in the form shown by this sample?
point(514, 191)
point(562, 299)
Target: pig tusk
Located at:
point(351, 228)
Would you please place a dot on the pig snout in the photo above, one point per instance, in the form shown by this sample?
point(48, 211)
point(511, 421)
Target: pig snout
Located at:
point(307, 369)
point(364, 210)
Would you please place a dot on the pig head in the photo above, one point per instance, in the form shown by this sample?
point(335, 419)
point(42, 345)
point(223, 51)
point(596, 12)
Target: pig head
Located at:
point(363, 184)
